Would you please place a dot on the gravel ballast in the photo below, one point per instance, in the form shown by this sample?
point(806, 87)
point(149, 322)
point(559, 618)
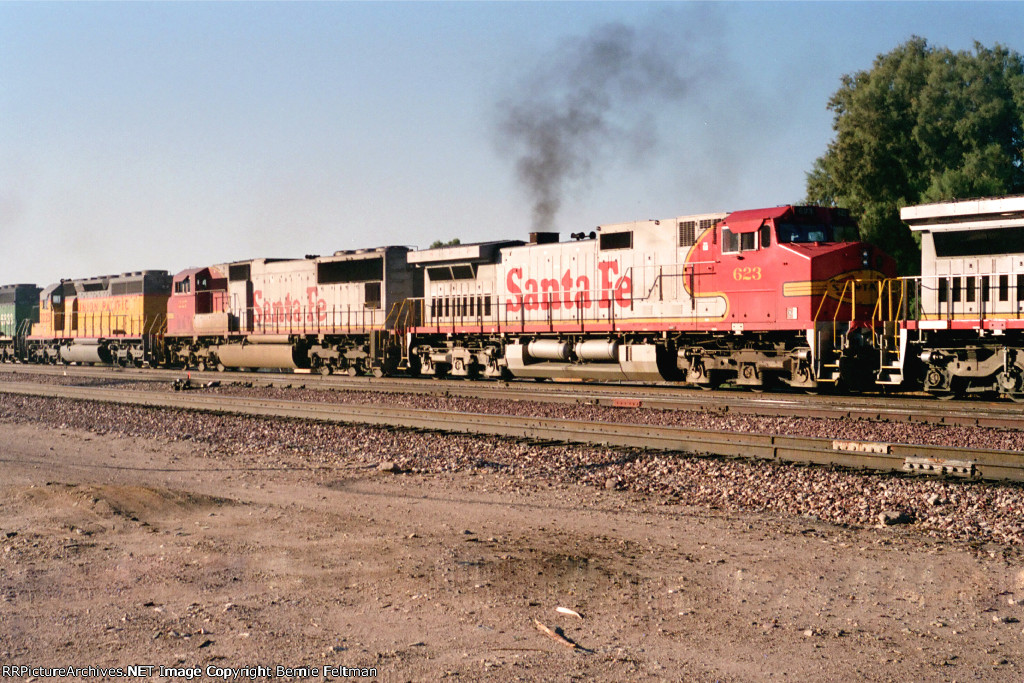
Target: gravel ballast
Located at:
point(986, 438)
point(968, 512)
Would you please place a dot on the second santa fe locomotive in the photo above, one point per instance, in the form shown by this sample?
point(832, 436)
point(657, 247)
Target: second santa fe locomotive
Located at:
point(781, 294)
point(329, 313)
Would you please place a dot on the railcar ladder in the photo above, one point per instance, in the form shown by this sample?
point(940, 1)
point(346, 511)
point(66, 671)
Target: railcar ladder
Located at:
point(404, 315)
point(829, 371)
point(888, 325)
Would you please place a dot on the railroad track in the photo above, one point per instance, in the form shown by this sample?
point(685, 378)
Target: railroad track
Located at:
point(900, 409)
point(919, 459)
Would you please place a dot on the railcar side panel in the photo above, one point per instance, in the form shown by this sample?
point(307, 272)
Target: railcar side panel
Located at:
point(958, 328)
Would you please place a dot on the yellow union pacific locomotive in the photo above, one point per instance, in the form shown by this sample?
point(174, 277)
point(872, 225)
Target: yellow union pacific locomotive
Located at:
point(116, 319)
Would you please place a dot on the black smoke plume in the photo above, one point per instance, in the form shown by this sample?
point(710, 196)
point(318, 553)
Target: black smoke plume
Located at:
point(593, 100)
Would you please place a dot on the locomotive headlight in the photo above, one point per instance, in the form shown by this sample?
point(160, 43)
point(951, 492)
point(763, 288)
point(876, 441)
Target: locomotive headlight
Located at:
point(865, 257)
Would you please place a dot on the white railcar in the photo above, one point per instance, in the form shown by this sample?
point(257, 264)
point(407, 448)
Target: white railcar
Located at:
point(959, 326)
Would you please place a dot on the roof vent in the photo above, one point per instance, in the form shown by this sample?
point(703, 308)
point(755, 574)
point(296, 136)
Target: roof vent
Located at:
point(543, 237)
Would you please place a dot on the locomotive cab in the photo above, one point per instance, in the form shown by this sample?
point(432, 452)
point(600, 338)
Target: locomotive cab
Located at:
point(811, 256)
point(198, 303)
point(795, 291)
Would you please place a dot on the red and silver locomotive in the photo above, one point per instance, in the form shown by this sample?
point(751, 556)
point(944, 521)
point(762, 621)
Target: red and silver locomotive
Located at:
point(781, 294)
point(328, 313)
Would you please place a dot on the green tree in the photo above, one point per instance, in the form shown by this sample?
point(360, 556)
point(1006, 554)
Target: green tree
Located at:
point(923, 125)
point(441, 243)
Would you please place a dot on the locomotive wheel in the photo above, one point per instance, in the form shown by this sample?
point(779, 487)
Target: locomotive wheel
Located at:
point(324, 370)
point(352, 371)
point(714, 380)
point(201, 366)
point(415, 364)
point(957, 389)
point(378, 372)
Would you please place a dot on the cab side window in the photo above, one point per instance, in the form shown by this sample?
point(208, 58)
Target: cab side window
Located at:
point(730, 241)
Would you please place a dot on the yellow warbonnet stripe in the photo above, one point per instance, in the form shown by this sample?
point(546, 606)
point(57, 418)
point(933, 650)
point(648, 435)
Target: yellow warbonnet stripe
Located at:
point(866, 280)
point(806, 288)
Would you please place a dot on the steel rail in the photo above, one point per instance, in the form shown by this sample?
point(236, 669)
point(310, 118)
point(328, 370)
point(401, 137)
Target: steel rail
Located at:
point(658, 397)
point(957, 462)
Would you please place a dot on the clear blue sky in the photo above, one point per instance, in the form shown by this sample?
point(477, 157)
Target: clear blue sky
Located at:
point(167, 135)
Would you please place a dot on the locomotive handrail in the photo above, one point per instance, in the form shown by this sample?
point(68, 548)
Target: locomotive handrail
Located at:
point(952, 300)
point(850, 286)
point(403, 314)
point(24, 328)
point(306, 320)
point(821, 304)
point(21, 333)
point(156, 323)
point(885, 310)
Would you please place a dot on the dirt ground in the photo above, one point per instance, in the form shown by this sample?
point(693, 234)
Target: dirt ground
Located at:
point(118, 552)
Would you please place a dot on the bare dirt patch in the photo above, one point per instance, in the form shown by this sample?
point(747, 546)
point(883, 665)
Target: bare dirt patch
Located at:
point(124, 550)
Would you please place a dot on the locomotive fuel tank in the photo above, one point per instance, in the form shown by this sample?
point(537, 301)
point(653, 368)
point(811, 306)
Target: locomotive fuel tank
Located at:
point(85, 351)
point(275, 353)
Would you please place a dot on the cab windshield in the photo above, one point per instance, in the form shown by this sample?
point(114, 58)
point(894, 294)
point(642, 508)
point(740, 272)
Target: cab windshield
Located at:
point(816, 232)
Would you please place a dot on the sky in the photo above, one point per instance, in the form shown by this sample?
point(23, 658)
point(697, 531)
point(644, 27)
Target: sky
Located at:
point(169, 135)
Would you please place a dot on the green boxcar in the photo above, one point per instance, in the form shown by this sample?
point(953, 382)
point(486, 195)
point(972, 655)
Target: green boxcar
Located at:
point(19, 308)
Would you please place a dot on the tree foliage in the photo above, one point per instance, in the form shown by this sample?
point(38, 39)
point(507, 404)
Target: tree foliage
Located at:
point(441, 243)
point(924, 124)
